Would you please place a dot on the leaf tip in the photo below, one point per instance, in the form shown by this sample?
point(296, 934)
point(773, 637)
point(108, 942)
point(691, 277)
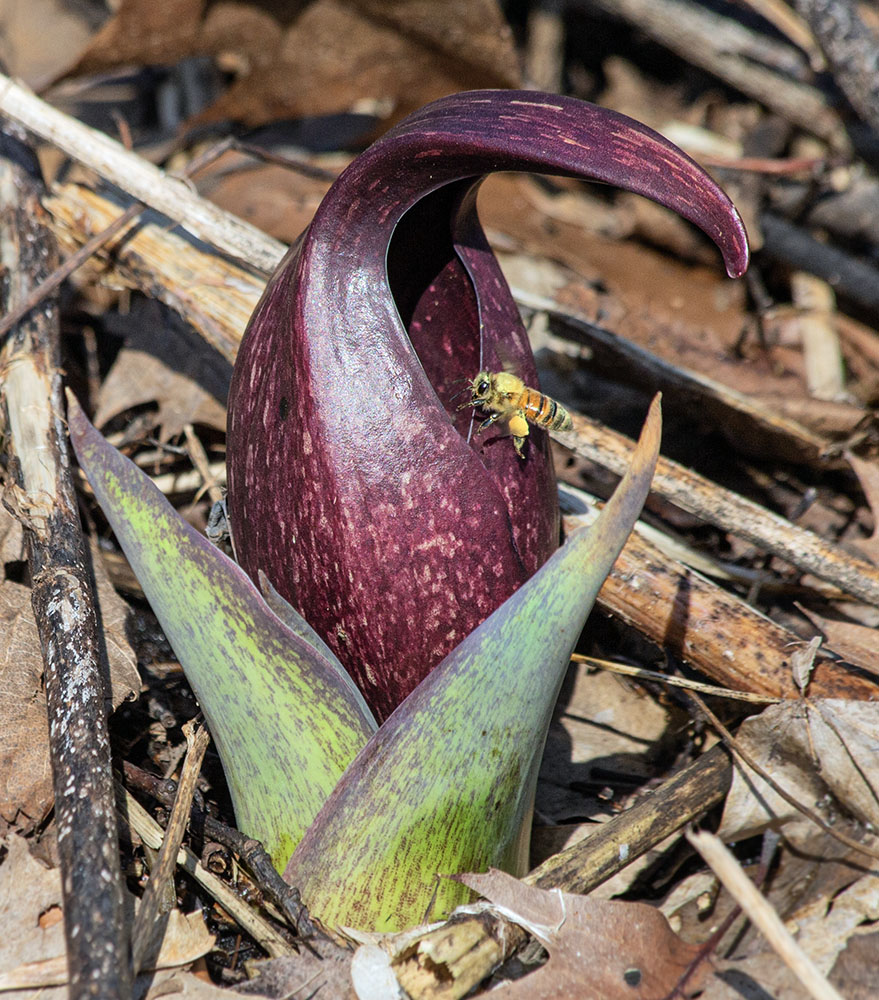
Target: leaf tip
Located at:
point(651, 433)
point(735, 249)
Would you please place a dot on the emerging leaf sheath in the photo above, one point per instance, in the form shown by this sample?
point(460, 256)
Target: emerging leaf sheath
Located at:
point(285, 725)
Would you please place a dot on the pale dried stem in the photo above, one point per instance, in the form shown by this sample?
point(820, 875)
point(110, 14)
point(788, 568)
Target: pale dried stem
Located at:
point(730, 511)
point(146, 923)
point(172, 197)
point(737, 55)
point(762, 914)
point(144, 826)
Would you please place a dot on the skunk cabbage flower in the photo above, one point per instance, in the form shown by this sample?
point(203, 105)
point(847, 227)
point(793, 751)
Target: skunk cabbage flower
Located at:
point(355, 482)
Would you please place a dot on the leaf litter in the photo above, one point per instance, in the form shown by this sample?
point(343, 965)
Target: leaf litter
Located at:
point(684, 311)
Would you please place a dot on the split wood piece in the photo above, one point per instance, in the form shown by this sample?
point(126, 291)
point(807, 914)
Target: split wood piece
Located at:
point(216, 296)
point(729, 511)
point(62, 594)
point(716, 632)
point(448, 962)
point(171, 196)
point(734, 54)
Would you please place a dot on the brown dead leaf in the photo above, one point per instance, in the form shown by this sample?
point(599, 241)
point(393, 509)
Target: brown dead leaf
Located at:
point(856, 644)
point(39, 56)
point(163, 362)
point(27, 890)
point(600, 949)
point(812, 749)
point(25, 771)
point(11, 541)
point(603, 721)
point(32, 952)
point(319, 57)
point(868, 477)
point(275, 199)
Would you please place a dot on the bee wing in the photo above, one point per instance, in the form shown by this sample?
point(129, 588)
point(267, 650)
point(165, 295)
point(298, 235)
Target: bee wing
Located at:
point(507, 361)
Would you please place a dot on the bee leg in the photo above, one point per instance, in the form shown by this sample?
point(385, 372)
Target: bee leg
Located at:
point(487, 423)
point(519, 430)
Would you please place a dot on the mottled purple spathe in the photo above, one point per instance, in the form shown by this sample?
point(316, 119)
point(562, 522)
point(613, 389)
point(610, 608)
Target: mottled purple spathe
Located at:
point(351, 484)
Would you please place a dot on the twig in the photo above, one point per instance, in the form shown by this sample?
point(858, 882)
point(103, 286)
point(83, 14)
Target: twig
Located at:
point(850, 277)
point(75, 260)
point(729, 50)
point(761, 913)
point(144, 930)
point(145, 182)
point(62, 598)
point(217, 296)
point(464, 951)
point(681, 682)
point(140, 821)
point(253, 855)
point(715, 631)
point(851, 50)
point(730, 511)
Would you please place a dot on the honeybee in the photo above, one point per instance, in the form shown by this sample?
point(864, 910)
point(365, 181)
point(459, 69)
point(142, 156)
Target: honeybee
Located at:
point(507, 398)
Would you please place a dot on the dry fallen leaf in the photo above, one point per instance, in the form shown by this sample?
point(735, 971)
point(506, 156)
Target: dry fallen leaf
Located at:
point(856, 644)
point(600, 949)
point(25, 772)
point(163, 363)
point(317, 57)
point(868, 476)
point(812, 749)
point(32, 952)
point(603, 721)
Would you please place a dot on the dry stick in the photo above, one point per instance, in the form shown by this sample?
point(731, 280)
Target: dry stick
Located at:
point(640, 673)
point(851, 49)
point(215, 295)
point(730, 511)
point(709, 40)
point(145, 925)
point(63, 601)
point(251, 852)
point(716, 632)
point(141, 823)
point(74, 261)
point(762, 914)
point(849, 276)
point(145, 182)
point(612, 352)
point(451, 960)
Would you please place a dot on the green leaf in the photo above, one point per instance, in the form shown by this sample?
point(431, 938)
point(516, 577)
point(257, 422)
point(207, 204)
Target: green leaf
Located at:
point(447, 783)
point(285, 717)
